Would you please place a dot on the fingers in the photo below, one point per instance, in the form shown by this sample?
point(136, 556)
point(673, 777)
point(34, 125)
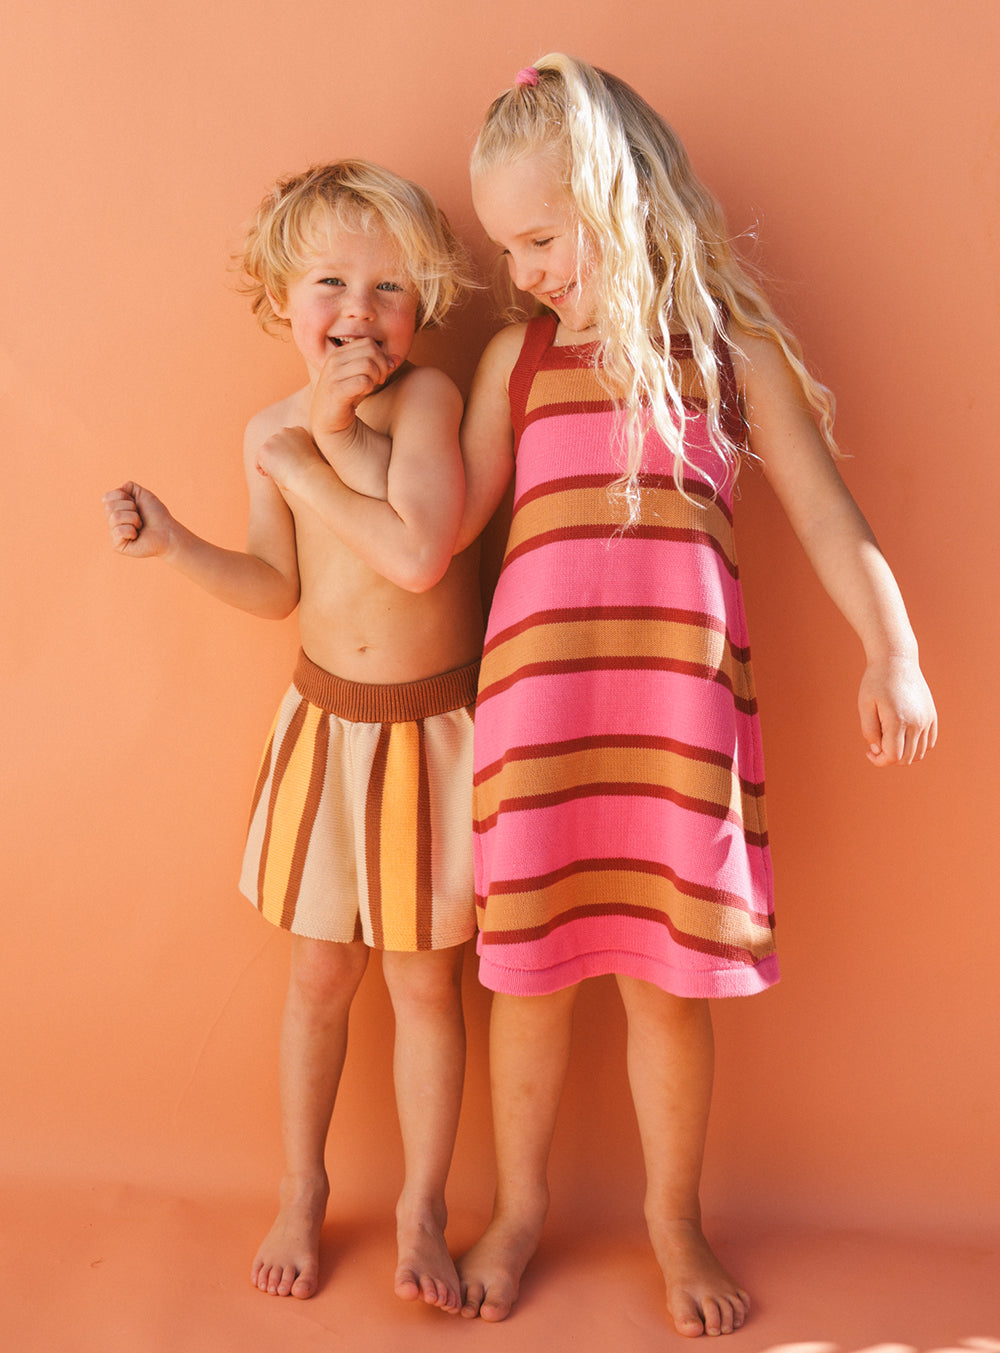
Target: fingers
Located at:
point(122, 514)
point(900, 743)
point(871, 729)
point(353, 371)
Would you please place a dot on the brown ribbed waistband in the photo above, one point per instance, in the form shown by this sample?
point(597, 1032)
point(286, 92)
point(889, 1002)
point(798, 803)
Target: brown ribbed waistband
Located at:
point(367, 702)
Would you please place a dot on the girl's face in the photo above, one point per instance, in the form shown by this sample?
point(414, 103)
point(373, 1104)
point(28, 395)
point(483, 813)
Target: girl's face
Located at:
point(352, 287)
point(524, 208)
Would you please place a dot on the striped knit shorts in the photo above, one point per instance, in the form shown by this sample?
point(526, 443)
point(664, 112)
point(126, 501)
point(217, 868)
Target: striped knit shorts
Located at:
point(361, 822)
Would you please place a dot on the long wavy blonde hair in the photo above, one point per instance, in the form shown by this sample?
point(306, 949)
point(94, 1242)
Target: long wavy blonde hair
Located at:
point(658, 243)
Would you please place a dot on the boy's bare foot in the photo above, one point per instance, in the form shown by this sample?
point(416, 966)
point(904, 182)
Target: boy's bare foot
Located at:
point(287, 1263)
point(491, 1271)
point(701, 1296)
point(425, 1270)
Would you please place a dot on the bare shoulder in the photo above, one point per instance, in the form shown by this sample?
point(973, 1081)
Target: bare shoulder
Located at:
point(420, 397)
point(762, 370)
point(783, 431)
point(425, 383)
point(501, 354)
point(293, 411)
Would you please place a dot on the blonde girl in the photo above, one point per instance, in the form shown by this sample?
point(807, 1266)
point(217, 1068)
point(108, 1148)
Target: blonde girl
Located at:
point(619, 809)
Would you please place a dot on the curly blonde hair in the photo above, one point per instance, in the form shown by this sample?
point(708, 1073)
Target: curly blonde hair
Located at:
point(658, 242)
point(355, 195)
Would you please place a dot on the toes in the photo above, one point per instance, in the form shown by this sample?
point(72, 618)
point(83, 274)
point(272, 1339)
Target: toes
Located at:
point(430, 1291)
point(472, 1299)
point(494, 1308)
point(303, 1287)
point(407, 1286)
point(411, 1286)
point(444, 1297)
point(451, 1303)
point(713, 1316)
point(718, 1317)
point(282, 1281)
point(687, 1318)
point(741, 1309)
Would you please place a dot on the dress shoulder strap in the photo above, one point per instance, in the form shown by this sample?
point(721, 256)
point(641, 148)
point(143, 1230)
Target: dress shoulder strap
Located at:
point(537, 340)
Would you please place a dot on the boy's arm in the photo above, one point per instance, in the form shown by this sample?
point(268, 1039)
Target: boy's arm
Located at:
point(408, 535)
point(264, 580)
point(487, 434)
point(898, 718)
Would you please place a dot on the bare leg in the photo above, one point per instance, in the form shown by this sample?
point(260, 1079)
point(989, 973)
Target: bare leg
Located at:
point(322, 982)
point(670, 1064)
point(529, 1053)
point(429, 1067)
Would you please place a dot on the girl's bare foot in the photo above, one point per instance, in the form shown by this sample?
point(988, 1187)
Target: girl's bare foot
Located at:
point(491, 1271)
point(425, 1270)
point(701, 1296)
point(287, 1263)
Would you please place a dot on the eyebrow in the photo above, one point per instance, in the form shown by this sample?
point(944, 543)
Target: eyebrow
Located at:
point(394, 273)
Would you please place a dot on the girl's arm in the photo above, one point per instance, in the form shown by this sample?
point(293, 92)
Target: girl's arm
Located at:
point(898, 719)
point(264, 580)
point(408, 534)
point(487, 434)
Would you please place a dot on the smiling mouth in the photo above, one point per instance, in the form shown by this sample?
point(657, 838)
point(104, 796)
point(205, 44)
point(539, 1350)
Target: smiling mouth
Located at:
point(349, 338)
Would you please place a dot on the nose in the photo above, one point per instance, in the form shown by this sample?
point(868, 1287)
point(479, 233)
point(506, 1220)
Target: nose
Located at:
point(359, 302)
point(524, 272)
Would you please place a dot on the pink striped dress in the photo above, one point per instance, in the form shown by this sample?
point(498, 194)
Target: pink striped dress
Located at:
point(619, 787)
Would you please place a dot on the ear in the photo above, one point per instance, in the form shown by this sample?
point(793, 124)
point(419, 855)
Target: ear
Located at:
point(277, 306)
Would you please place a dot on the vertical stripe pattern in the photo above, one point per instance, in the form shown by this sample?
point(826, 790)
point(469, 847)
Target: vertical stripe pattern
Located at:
point(360, 829)
point(618, 787)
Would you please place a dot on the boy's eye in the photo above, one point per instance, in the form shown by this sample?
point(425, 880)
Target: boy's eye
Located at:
point(330, 282)
point(390, 286)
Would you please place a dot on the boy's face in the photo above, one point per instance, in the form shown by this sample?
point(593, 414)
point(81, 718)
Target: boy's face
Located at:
point(353, 287)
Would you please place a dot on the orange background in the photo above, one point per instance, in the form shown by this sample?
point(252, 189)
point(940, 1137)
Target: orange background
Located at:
point(854, 146)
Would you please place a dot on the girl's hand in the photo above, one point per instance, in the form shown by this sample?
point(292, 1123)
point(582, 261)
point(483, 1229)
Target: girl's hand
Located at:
point(898, 718)
point(350, 374)
point(285, 456)
point(139, 524)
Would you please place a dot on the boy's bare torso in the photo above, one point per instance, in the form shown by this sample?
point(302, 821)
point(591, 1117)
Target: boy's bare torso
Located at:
point(352, 621)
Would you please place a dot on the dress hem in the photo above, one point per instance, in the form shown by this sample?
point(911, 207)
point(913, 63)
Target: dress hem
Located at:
point(704, 983)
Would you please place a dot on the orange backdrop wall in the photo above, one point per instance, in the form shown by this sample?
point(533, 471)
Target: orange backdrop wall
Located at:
point(855, 150)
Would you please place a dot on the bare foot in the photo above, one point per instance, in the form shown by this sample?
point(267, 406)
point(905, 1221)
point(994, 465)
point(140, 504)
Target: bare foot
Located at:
point(701, 1296)
point(491, 1271)
point(287, 1263)
point(425, 1270)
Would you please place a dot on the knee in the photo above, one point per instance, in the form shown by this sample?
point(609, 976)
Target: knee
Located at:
point(647, 1004)
point(323, 973)
point(428, 982)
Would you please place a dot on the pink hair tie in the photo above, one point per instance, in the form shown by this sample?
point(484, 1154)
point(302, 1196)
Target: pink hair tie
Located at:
point(528, 76)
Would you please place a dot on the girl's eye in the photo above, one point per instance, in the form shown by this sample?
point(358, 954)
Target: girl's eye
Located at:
point(330, 282)
point(390, 286)
point(541, 244)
